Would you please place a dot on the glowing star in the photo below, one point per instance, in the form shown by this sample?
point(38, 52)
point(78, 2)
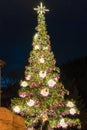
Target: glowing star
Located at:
point(24, 84)
point(31, 103)
point(70, 104)
point(44, 92)
point(51, 83)
point(42, 74)
point(72, 111)
point(16, 109)
point(41, 9)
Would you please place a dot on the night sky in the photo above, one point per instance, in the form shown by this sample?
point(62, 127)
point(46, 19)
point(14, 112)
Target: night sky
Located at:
point(66, 25)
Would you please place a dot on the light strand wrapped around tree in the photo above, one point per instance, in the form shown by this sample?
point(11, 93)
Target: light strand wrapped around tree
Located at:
point(42, 94)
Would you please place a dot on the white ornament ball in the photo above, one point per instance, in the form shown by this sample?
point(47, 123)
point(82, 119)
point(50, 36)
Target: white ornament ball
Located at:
point(36, 35)
point(16, 109)
point(36, 47)
point(72, 111)
point(24, 84)
point(51, 83)
point(70, 104)
point(31, 103)
point(41, 60)
point(63, 124)
point(44, 92)
point(28, 77)
point(42, 74)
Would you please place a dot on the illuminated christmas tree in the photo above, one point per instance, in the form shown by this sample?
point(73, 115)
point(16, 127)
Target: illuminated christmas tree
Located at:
point(42, 94)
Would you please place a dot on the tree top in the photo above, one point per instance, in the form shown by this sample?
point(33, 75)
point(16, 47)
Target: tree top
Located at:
point(41, 9)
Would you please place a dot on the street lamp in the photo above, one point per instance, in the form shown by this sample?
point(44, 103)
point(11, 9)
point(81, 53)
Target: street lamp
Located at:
point(2, 63)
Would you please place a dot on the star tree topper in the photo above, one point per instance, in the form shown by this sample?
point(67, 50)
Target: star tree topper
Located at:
point(41, 9)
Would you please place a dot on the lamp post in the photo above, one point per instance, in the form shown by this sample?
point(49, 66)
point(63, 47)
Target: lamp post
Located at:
point(2, 63)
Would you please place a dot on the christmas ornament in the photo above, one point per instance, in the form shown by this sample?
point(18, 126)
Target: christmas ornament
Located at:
point(70, 104)
point(41, 60)
point(31, 103)
point(45, 48)
point(23, 94)
point(72, 111)
point(27, 77)
point(45, 118)
point(56, 79)
point(36, 35)
point(63, 124)
point(51, 83)
point(37, 103)
point(42, 74)
point(37, 47)
point(16, 109)
point(24, 84)
point(44, 92)
point(49, 42)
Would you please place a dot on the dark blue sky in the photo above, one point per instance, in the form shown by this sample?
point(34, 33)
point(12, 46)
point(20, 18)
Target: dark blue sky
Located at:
point(66, 25)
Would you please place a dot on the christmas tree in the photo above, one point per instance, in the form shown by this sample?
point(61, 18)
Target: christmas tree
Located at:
point(42, 96)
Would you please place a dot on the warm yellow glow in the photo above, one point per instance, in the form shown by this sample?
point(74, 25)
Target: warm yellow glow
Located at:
point(41, 9)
